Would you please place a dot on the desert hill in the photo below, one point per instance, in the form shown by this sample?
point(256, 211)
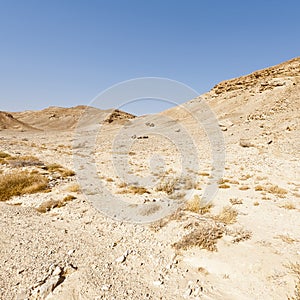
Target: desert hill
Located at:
point(59, 118)
point(263, 106)
point(7, 121)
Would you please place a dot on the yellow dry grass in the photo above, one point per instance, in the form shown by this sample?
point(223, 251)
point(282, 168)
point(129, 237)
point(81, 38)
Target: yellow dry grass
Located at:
point(134, 189)
point(204, 237)
point(244, 188)
point(4, 155)
point(19, 183)
point(227, 216)
point(235, 201)
point(224, 186)
point(74, 188)
point(56, 168)
point(295, 269)
point(196, 205)
point(288, 205)
point(167, 185)
point(272, 189)
point(50, 204)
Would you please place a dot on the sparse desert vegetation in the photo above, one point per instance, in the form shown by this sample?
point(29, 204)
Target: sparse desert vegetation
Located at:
point(197, 205)
point(235, 201)
point(57, 168)
point(228, 215)
point(204, 237)
point(295, 269)
point(20, 183)
point(133, 189)
point(65, 236)
point(50, 204)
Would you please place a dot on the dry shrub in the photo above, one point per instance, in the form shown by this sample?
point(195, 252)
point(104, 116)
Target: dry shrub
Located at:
point(50, 204)
point(74, 188)
point(295, 269)
point(232, 181)
point(122, 185)
point(176, 216)
point(134, 189)
point(224, 186)
point(19, 161)
point(256, 203)
point(204, 237)
point(244, 188)
point(288, 205)
point(167, 185)
point(223, 180)
point(4, 155)
point(227, 216)
point(272, 189)
point(69, 198)
point(187, 183)
point(138, 190)
point(245, 177)
point(24, 161)
point(235, 201)
point(150, 209)
point(203, 174)
point(259, 188)
point(19, 183)
point(177, 195)
point(197, 205)
point(239, 234)
point(275, 189)
point(285, 238)
point(57, 168)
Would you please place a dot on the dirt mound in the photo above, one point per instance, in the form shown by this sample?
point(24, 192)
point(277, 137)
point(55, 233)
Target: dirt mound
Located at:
point(7, 121)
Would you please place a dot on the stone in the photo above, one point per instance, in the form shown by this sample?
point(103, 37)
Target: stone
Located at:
point(245, 143)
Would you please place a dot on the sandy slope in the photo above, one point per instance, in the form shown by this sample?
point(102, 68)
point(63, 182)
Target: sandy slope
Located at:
point(75, 252)
point(7, 121)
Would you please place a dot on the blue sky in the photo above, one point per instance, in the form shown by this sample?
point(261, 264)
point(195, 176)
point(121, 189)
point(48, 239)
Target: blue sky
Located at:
point(64, 53)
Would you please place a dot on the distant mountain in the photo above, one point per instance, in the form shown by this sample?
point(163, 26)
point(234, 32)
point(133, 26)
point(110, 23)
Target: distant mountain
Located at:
point(59, 118)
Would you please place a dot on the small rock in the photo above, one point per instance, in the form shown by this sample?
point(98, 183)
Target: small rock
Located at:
point(157, 283)
point(121, 259)
point(105, 287)
point(187, 293)
point(56, 271)
point(246, 143)
point(70, 252)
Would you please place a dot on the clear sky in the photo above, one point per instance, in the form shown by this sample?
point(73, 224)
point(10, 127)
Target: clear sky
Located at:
point(64, 52)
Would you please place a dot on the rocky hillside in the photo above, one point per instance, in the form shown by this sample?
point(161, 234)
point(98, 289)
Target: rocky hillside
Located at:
point(263, 107)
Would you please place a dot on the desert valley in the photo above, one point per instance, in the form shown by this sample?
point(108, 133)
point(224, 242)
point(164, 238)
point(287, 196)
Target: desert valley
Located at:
point(58, 241)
